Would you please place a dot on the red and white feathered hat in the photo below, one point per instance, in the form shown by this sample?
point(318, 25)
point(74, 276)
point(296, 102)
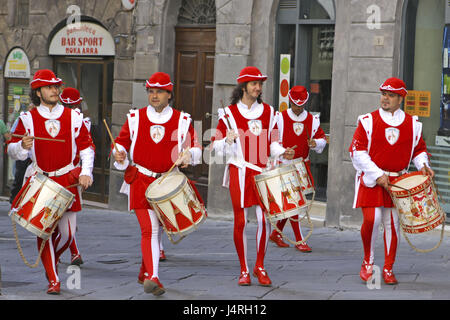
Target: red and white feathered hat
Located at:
point(250, 74)
point(395, 85)
point(70, 96)
point(44, 77)
point(160, 80)
point(298, 95)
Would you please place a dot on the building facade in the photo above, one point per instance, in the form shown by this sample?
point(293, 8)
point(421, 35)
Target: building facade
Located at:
point(341, 50)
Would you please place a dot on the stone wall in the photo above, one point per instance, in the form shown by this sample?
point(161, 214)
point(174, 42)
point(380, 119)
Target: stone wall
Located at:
point(46, 15)
point(360, 65)
point(233, 34)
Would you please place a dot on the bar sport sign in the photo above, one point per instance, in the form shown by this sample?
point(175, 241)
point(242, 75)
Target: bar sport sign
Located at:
point(84, 39)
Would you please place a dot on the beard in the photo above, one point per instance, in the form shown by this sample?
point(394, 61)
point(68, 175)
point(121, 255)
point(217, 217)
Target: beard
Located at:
point(49, 102)
point(258, 98)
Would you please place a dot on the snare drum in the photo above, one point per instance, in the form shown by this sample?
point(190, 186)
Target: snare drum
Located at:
point(40, 204)
point(176, 203)
point(305, 180)
point(417, 203)
point(280, 192)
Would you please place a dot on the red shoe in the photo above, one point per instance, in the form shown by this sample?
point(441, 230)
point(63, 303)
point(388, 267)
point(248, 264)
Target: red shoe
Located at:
point(389, 277)
point(278, 239)
point(244, 279)
point(54, 287)
point(366, 271)
point(263, 278)
point(162, 256)
point(76, 260)
point(142, 275)
point(303, 247)
point(153, 286)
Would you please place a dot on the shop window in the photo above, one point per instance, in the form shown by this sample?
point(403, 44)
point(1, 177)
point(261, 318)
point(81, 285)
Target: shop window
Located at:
point(426, 68)
point(305, 30)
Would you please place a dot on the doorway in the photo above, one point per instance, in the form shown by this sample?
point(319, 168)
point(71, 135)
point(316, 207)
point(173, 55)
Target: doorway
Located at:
point(93, 77)
point(194, 79)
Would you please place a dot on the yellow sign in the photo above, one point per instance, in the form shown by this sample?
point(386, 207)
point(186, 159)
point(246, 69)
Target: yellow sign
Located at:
point(17, 64)
point(418, 103)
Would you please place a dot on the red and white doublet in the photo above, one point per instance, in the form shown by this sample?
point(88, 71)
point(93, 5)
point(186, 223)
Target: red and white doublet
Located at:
point(244, 159)
point(153, 141)
point(56, 160)
point(383, 143)
point(292, 131)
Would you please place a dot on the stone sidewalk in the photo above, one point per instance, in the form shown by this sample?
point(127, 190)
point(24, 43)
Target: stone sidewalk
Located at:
point(204, 265)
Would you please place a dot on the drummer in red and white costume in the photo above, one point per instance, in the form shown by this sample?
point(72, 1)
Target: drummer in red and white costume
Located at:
point(54, 159)
point(297, 127)
point(384, 143)
point(71, 98)
point(154, 137)
point(246, 147)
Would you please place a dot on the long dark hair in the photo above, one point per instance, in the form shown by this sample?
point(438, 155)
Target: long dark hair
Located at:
point(34, 97)
point(238, 93)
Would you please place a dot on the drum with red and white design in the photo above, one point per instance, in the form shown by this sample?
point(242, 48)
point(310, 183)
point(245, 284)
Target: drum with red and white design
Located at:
point(280, 192)
point(40, 204)
point(416, 200)
point(177, 204)
point(305, 180)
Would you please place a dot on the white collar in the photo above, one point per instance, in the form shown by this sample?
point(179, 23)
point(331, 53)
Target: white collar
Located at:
point(159, 117)
point(300, 118)
point(254, 112)
point(55, 113)
point(395, 119)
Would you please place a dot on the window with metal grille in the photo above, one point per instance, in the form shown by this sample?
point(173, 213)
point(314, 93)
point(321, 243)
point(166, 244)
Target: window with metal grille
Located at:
point(197, 12)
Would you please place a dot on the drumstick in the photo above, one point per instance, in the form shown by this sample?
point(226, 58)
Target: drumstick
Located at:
point(165, 175)
point(37, 138)
point(73, 185)
point(396, 186)
point(110, 135)
point(226, 118)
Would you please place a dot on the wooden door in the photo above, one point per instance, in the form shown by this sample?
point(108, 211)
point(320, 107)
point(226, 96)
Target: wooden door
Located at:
point(194, 78)
point(93, 78)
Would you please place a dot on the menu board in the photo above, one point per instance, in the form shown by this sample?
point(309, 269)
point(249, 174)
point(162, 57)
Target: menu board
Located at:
point(418, 103)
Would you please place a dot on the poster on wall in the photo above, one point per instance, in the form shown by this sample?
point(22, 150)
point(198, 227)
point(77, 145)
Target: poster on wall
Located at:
point(87, 39)
point(418, 103)
point(285, 70)
point(17, 65)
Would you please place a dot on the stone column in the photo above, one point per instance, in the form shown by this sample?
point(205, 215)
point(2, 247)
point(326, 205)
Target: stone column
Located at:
point(233, 32)
point(363, 59)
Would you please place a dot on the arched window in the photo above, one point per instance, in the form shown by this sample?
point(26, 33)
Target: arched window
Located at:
point(197, 12)
point(305, 30)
